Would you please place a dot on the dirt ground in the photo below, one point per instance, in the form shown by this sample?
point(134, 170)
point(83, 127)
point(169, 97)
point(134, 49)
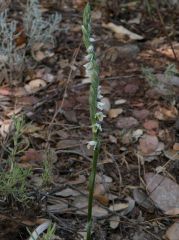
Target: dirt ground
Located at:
point(137, 176)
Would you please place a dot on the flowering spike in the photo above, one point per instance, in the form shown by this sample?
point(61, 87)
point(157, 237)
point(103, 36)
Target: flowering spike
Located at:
point(96, 117)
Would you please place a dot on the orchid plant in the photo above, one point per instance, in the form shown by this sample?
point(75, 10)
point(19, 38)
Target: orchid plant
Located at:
point(96, 107)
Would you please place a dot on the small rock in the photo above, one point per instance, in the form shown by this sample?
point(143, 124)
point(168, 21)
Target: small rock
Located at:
point(143, 200)
point(151, 125)
point(148, 144)
point(115, 112)
point(127, 122)
point(70, 116)
point(131, 88)
point(153, 93)
point(141, 114)
point(164, 192)
point(128, 51)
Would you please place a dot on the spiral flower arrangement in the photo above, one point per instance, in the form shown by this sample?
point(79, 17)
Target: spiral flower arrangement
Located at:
point(95, 105)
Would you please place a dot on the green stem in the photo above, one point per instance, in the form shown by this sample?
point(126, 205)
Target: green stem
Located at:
point(91, 191)
point(92, 71)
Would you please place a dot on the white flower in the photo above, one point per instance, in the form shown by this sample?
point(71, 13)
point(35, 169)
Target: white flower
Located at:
point(90, 49)
point(99, 116)
point(99, 96)
point(100, 105)
point(88, 66)
point(89, 57)
point(90, 71)
point(92, 39)
point(92, 144)
point(96, 127)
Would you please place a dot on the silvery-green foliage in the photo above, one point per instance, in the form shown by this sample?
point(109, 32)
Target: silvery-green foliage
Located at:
point(150, 76)
point(11, 58)
point(7, 31)
point(171, 70)
point(36, 27)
